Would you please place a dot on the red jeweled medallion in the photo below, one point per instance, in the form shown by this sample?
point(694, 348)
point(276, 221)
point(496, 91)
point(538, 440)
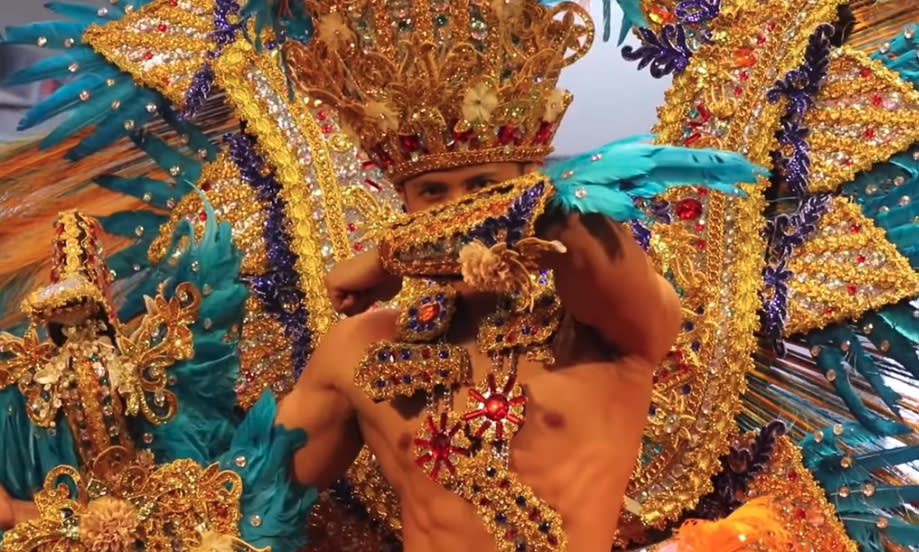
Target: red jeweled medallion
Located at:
point(438, 446)
point(495, 413)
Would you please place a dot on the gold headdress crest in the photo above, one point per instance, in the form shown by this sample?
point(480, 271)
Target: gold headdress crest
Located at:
point(432, 85)
point(79, 275)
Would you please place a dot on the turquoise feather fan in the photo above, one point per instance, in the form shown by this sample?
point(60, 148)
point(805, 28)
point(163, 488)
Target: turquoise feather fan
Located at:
point(608, 179)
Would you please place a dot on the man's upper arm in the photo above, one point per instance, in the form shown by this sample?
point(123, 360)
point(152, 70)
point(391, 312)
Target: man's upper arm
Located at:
point(319, 406)
point(606, 281)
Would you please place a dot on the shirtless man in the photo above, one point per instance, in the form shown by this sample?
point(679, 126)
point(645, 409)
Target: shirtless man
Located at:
point(585, 414)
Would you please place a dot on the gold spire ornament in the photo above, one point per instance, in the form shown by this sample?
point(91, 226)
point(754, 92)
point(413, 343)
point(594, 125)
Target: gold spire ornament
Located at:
point(427, 86)
point(89, 369)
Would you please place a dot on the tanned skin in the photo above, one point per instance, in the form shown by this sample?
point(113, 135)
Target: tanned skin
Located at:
point(585, 414)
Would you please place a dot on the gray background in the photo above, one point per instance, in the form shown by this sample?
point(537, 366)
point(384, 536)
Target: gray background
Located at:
point(612, 99)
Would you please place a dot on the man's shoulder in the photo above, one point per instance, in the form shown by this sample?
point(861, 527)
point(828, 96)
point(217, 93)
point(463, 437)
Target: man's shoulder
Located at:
point(349, 339)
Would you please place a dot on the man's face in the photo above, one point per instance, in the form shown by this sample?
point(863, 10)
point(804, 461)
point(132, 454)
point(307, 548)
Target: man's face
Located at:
point(435, 188)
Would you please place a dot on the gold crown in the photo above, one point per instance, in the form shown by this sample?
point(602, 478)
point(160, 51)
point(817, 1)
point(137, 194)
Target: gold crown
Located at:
point(428, 85)
point(79, 275)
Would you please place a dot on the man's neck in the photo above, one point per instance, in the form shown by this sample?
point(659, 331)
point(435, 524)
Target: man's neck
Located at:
point(473, 306)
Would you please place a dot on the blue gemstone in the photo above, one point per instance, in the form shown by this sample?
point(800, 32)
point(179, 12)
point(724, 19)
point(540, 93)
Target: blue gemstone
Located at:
point(383, 355)
point(444, 373)
point(491, 472)
point(500, 518)
point(439, 297)
point(544, 527)
point(696, 346)
point(499, 321)
point(381, 383)
point(653, 410)
point(686, 389)
point(521, 547)
point(425, 300)
point(499, 338)
point(521, 501)
point(429, 326)
point(688, 326)
point(407, 378)
point(413, 324)
point(445, 354)
point(525, 330)
point(412, 311)
point(406, 354)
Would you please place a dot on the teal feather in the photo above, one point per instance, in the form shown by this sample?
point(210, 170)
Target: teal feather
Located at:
point(85, 13)
point(899, 217)
point(67, 97)
point(28, 452)
point(112, 128)
point(55, 33)
point(205, 383)
point(195, 139)
point(632, 16)
point(830, 359)
point(901, 55)
point(903, 318)
point(168, 157)
point(887, 496)
point(58, 67)
point(95, 110)
point(893, 342)
point(124, 223)
point(155, 192)
point(268, 489)
point(126, 262)
point(608, 179)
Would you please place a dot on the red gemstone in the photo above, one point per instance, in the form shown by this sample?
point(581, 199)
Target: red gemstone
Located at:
point(699, 227)
point(828, 311)
point(322, 115)
point(425, 353)
point(545, 132)
point(761, 39)
point(771, 25)
point(441, 446)
point(700, 244)
point(534, 514)
point(552, 540)
point(792, 475)
point(428, 312)
point(702, 191)
point(852, 289)
point(877, 99)
point(358, 246)
point(855, 228)
point(351, 227)
point(800, 514)
point(688, 209)
point(691, 139)
point(497, 407)
point(485, 502)
point(865, 72)
point(148, 55)
point(206, 186)
point(744, 77)
point(410, 143)
point(860, 259)
point(507, 134)
point(162, 27)
point(327, 128)
point(202, 216)
point(738, 91)
point(373, 184)
point(869, 134)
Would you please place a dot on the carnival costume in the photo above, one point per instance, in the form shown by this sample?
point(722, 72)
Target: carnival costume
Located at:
point(292, 193)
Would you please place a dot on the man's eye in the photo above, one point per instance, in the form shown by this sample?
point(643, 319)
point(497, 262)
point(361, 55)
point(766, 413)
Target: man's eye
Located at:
point(478, 185)
point(433, 191)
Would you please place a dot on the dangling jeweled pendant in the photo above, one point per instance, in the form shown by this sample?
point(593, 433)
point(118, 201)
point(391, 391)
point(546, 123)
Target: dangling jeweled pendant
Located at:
point(495, 413)
point(439, 445)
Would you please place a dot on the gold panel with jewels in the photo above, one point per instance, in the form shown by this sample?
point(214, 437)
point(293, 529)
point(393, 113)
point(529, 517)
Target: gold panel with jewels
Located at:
point(714, 250)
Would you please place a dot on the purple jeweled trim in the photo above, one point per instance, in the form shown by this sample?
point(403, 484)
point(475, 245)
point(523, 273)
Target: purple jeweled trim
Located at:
point(697, 11)
point(198, 91)
point(664, 54)
point(785, 232)
point(512, 222)
point(738, 468)
point(791, 164)
point(224, 30)
point(277, 289)
point(642, 234)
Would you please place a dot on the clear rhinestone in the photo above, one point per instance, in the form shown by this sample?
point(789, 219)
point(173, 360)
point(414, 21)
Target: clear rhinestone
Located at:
point(138, 231)
point(838, 429)
point(148, 196)
point(175, 170)
point(129, 124)
point(580, 193)
point(41, 41)
point(255, 521)
point(868, 489)
point(846, 462)
point(73, 67)
point(68, 42)
point(241, 461)
point(883, 522)
point(102, 12)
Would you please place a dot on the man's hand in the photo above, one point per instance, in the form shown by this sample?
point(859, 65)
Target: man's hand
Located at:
point(356, 284)
point(14, 512)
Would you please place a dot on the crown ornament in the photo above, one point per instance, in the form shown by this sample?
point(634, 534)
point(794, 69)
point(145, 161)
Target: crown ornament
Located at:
point(428, 85)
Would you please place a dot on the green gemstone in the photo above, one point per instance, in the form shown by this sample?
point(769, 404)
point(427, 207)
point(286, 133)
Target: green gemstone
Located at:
point(404, 25)
point(441, 20)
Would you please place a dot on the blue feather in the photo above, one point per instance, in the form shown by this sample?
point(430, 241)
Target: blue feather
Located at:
point(66, 97)
point(632, 16)
point(169, 158)
point(85, 13)
point(900, 55)
point(55, 34)
point(607, 179)
point(79, 59)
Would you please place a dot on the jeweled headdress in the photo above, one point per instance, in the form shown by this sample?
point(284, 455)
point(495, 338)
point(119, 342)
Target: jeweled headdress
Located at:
point(428, 85)
point(79, 275)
